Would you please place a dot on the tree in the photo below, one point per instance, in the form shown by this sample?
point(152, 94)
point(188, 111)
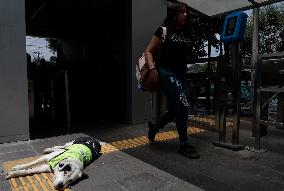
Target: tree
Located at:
point(54, 44)
point(204, 30)
point(271, 30)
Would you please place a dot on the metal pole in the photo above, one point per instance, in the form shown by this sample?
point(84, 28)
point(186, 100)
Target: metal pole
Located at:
point(208, 81)
point(257, 106)
point(224, 96)
point(52, 98)
point(255, 39)
point(235, 57)
point(217, 94)
point(67, 99)
point(257, 124)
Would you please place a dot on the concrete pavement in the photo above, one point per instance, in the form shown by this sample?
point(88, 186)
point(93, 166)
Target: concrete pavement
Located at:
point(159, 167)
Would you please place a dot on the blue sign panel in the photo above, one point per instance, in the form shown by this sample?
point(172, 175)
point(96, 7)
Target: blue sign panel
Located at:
point(234, 27)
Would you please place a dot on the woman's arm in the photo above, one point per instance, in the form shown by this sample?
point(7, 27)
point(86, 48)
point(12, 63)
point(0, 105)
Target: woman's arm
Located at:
point(151, 48)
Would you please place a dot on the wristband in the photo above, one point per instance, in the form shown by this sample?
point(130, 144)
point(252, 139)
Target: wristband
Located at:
point(150, 66)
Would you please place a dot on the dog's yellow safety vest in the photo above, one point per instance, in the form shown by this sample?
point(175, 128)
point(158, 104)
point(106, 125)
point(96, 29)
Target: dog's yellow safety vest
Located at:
point(77, 151)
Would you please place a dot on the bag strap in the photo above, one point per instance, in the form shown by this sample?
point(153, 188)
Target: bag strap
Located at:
point(164, 34)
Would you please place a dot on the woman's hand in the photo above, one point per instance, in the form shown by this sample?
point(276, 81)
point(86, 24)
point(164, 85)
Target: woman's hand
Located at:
point(151, 80)
point(153, 75)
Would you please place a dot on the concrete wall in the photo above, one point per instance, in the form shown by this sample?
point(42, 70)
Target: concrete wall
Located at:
point(144, 18)
point(14, 114)
point(147, 15)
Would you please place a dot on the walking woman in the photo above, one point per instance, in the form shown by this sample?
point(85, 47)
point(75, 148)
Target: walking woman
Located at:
point(171, 57)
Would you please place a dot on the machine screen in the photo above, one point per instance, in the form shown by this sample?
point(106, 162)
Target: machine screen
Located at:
point(231, 26)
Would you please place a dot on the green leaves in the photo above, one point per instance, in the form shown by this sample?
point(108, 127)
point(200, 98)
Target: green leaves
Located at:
point(203, 30)
point(271, 30)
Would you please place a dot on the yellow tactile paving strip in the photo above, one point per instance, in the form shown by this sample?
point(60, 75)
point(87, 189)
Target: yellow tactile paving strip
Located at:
point(143, 140)
point(207, 121)
point(36, 182)
point(44, 181)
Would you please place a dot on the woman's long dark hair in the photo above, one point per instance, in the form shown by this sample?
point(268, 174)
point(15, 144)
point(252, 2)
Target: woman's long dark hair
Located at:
point(173, 11)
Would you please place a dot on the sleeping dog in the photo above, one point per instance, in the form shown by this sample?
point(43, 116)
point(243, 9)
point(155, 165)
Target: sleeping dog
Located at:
point(66, 162)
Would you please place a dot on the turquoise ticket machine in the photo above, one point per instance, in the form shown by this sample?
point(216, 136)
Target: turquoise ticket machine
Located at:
point(234, 27)
point(232, 35)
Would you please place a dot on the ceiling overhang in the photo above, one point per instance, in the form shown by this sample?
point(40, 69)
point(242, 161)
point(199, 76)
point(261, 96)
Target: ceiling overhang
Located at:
point(214, 8)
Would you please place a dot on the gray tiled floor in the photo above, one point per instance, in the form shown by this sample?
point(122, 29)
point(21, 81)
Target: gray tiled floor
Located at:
point(159, 167)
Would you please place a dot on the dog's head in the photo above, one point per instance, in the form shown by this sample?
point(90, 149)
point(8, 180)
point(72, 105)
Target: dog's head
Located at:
point(67, 172)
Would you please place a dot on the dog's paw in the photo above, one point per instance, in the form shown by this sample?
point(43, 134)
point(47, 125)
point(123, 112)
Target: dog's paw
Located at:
point(18, 167)
point(48, 150)
point(8, 175)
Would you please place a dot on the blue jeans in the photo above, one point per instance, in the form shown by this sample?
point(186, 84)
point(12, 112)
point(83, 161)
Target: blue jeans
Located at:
point(177, 105)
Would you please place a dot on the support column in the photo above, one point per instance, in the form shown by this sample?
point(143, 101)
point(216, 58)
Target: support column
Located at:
point(14, 112)
point(146, 16)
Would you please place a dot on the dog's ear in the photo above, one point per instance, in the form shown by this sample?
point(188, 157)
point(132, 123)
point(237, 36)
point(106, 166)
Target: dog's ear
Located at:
point(84, 176)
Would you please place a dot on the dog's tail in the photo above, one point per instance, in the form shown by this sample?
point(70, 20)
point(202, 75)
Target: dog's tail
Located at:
point(98, 146)
point(96, 151)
